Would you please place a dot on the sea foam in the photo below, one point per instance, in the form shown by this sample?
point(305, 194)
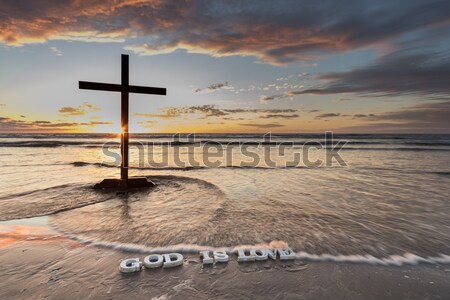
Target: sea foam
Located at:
point(391, 260)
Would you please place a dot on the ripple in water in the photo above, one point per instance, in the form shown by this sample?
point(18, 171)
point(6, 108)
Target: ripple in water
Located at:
point(188, 211)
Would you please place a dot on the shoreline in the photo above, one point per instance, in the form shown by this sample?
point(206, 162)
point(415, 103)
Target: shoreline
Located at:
point(43, 225)
point(62, 268)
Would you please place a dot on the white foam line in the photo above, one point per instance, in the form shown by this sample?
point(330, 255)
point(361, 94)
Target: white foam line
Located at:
point(392, 260)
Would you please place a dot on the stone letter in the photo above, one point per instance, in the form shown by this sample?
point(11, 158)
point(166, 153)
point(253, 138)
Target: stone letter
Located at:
point(153, 261)
point(243, 257)
point(172, 260)
point(286, 253)
point(272, 253)
point(207, 260)
point(220, 256)
point(130, 265)
point(259, 254)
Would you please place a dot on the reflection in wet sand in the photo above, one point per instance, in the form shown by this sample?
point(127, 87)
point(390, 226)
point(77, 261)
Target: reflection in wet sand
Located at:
point(11, 234)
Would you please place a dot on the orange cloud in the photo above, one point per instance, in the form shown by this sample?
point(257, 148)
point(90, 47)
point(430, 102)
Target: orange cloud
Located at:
point(278, 32)
point(81, 110)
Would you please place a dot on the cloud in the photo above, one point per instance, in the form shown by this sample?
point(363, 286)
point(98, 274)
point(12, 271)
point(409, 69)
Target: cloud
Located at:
point(262, 126)
point(438, 112)
point(277, 86)
point(214, 87)
point(174, 112)
point(327, 115)
point(429, 117)
point(257, 110)
point(94, 123)
point(13, 125)
point(72, 111)
point(209, 111)
point(359, 116)
point(148, 123)
point(233, 119)
point(278, 32)
point(81, 110)
point(293, 93)
point(264, 98)
point(56, 51)
point(273, 116)
point(286, 94)
point(414, 72)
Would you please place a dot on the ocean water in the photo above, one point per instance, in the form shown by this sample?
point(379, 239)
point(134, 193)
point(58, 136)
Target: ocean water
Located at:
point(390, 197)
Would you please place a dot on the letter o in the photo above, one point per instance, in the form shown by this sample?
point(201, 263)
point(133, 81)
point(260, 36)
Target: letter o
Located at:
point(259, 254)
point(153, 261)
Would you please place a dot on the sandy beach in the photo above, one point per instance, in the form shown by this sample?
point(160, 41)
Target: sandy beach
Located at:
point(54, 267)
point(378, 229)
point(198, 149)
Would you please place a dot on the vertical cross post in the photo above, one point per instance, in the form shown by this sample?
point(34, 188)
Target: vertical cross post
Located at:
point(124, 121)
point(124, 88)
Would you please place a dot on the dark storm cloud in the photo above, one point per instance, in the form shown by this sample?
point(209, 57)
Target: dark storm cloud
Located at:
point(437, 112)
point(406, 72)
point(278, 32)
point(423, 118)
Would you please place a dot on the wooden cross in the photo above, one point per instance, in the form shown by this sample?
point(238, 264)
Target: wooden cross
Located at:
point(124, 88)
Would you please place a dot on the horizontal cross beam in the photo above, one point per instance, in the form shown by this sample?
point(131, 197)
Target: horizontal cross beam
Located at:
point(111, 87)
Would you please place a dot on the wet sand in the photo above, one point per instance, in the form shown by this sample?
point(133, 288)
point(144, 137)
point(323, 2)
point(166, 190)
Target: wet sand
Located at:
point(54, 267)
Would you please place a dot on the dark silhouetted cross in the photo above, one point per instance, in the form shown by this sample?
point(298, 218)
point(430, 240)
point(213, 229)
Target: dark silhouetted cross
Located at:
point(124, 88)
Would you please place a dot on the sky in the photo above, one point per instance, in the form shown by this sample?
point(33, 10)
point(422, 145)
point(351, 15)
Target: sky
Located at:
point(228, 66)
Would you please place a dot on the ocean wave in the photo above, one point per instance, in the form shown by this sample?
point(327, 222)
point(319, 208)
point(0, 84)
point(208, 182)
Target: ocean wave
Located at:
point(188, 168)
point(83, 164)
point(86, 144)
point(116, 145)
point(46, 144)
point(391, 260)
point(50, 200)
point(391, 149)
point(56, 199)
point(97, 140)
point(447, 174)
point(386, 136)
